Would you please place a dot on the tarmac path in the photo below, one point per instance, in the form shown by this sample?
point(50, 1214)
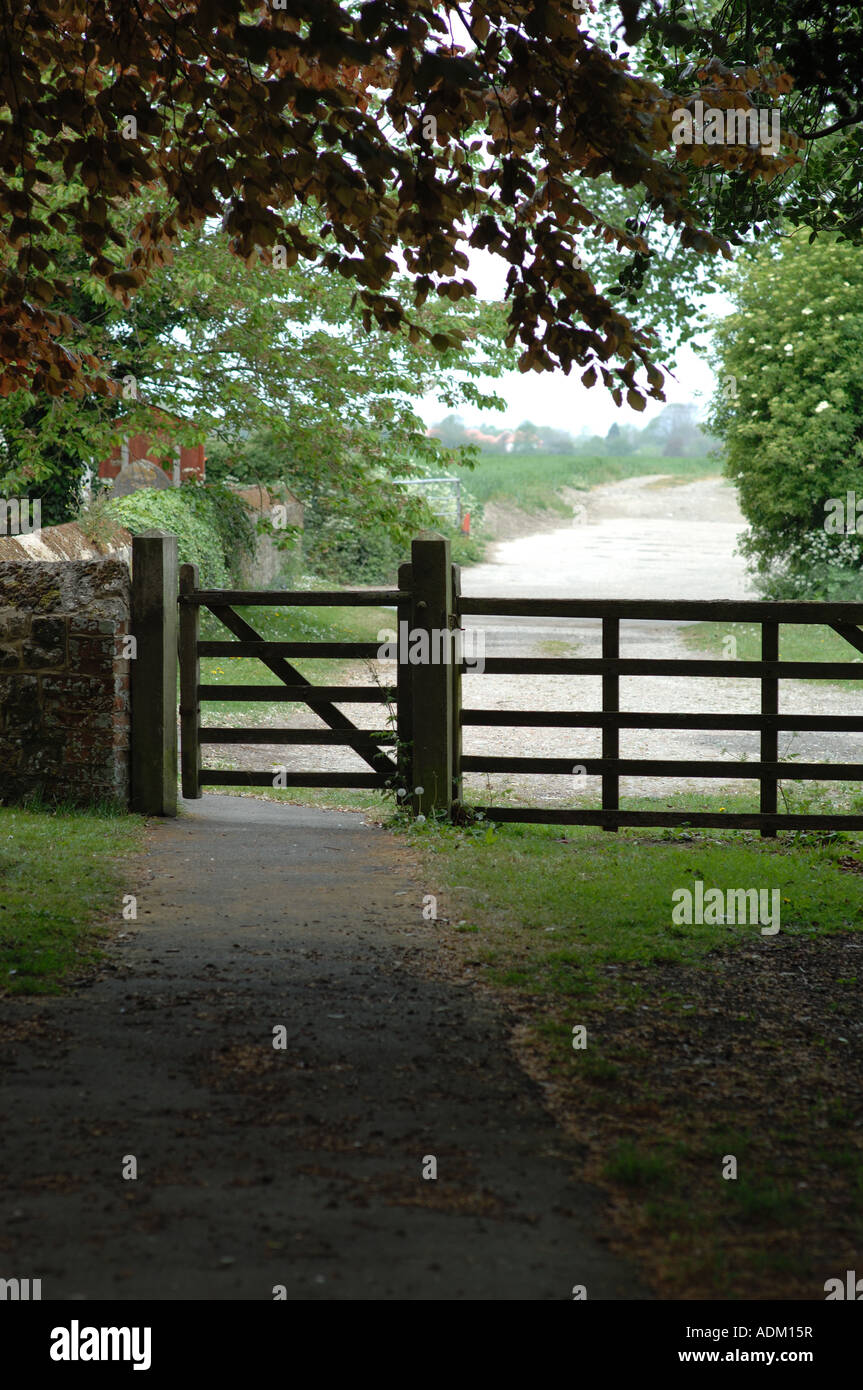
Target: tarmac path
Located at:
point(301, 1166)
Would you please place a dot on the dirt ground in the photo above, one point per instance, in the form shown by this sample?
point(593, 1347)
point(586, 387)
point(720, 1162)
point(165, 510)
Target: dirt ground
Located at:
point(757, 1053)
point(299, 1167)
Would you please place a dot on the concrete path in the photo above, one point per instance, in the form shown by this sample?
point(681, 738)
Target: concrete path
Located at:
point(299, 1167)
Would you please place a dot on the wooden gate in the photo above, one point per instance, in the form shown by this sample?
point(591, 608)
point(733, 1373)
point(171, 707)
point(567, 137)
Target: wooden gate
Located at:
point(423, 600)
point(426, 764)
point(768, 770)
point(371, 745)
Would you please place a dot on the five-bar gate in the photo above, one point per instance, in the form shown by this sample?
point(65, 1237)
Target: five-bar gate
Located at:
point(768, 770)
point(408, 759)
point(423, 759)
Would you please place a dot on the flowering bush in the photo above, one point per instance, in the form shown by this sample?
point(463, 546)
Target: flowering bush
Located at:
point(789, 410)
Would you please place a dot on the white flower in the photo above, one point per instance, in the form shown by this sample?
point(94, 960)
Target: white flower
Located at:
point(788, 347)
point(822, 405)
point(419, 819)
point(419, 790)
point(807, 311)
point(752, 340)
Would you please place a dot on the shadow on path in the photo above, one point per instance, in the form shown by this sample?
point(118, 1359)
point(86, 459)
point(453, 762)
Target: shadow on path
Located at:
point(299, 1167)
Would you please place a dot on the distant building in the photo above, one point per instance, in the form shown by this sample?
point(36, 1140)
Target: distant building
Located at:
point(180, 462)
point(453, 432)
point(501, 442)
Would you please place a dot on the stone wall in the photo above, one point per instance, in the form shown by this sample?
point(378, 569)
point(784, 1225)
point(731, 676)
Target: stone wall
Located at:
point(66, 542)
point(64, 682)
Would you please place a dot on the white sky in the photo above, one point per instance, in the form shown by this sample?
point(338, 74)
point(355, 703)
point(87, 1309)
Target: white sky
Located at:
point(551, 398)
point(560, 401)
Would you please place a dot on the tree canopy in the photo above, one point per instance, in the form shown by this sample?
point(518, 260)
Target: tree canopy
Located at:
point(820, 44)
point(366, 138)
point(267, 366)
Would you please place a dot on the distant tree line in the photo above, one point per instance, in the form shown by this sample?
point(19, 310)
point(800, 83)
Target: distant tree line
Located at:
point(673, 433)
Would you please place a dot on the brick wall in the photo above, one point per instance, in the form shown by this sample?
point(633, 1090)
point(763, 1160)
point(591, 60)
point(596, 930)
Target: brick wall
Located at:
point(64, 683)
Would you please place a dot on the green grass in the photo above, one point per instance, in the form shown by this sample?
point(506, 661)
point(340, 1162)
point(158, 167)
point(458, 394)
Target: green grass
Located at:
point(555, 903)
point(797, 642)
point(639, 1167)
point(59, 873)
point(533, 481)
point(577, 923)
point(371, 803)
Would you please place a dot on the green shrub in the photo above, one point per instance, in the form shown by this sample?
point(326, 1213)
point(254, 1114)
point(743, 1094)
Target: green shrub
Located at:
point(789, 409)
point(212, 526)
point(227, 516)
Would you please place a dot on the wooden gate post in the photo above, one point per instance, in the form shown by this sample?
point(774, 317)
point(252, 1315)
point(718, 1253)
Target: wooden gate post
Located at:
point(610, 705)
point(769, 729)
point(190, 679)
point(404, 690)
point(457, 779)
point(431, 626)
point(154, 674)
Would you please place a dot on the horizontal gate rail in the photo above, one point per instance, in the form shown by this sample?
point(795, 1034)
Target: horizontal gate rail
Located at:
point(670, 610)
point(649, 719)
point(658, 666)
point(295, 694)
point(345, 651)
point(212, 777)
point(662, 767)
point(324, 737)
point(734, 820)
point(296, 598)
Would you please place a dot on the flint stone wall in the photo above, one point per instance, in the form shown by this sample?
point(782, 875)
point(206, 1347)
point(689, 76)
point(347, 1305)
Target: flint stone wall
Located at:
point(64, 683)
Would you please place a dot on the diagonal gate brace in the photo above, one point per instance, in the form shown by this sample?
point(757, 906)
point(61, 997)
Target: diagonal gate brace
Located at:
point(850, 632)
point(379, 762)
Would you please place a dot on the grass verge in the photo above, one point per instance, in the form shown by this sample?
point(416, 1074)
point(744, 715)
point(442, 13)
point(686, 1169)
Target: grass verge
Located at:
point(704, 1043)
point(533, 481)
point(59, 876)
